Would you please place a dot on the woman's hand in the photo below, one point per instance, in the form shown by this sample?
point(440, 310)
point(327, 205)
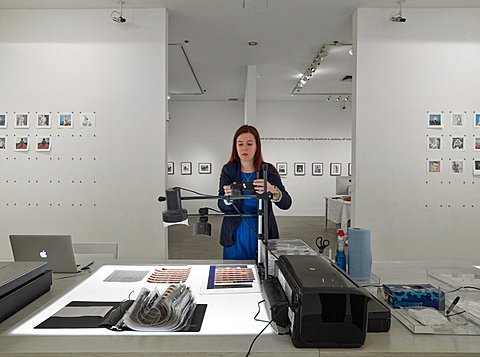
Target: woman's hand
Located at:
point(258, 183)
point(228, 190)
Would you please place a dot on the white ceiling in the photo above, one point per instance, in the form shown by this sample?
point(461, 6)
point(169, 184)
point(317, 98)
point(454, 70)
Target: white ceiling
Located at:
point(289, 33)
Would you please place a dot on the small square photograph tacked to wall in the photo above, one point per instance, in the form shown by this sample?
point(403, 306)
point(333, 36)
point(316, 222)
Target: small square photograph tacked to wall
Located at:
point(458, 119)
point(434, 166)
point(435, 121)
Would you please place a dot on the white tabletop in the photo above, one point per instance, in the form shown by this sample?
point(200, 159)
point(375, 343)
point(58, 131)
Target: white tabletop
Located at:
point(398, 342)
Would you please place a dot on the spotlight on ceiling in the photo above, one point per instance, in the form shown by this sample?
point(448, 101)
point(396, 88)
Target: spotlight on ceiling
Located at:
point(117, 16)
point(398, 17)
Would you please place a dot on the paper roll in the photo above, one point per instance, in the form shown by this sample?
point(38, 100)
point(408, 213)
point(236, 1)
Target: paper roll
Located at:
point(359, 253)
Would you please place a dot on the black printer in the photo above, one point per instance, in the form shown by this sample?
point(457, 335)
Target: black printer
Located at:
point(325, 307)
point(20, 284)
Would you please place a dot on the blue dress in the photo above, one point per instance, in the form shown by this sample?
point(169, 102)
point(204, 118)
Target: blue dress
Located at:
point(245, 237)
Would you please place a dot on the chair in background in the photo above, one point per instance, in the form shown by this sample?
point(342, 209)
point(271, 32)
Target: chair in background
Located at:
point(97, 249)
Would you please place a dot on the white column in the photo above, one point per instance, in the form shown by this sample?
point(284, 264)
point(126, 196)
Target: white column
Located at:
point(251, 95)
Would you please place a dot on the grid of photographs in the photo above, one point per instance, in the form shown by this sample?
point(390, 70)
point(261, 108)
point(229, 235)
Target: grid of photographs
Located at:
point(20, 141)
point(451, 136)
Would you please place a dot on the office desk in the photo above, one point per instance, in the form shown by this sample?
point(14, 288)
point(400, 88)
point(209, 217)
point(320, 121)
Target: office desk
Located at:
point(337, 211)
point(398, 342)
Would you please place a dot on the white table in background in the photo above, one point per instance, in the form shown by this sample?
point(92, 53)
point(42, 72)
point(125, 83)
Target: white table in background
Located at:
point(338, 211)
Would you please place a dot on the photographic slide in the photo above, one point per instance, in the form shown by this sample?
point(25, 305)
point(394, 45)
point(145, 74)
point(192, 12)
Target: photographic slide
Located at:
point(476, 168)
point(43, 143)
point(434, 142)
point(435, 121)
point(434, 166)
point(44, 120)
point(476, 142)
point(22, 120)
point(476, 120)
point(456, 167)
point(65, 120)
point(458, 119)
point(87, 120)
point(22, 143)
point(3, 120)
point(3, 143)
point(457, 143)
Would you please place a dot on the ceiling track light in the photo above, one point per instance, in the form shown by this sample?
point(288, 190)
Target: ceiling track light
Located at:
point(398, 17)
point(117, 16)
point(312, 67)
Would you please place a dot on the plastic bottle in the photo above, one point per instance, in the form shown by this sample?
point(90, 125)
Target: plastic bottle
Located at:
point(340, 258)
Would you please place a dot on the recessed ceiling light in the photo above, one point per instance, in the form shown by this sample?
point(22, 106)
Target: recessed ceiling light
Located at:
point(253, 43)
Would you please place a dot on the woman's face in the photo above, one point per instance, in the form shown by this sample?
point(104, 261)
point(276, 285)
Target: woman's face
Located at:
point(246, 147)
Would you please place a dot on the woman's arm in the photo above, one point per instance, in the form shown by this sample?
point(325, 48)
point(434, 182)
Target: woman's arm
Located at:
point(275, 186)
point(274, 178)
point(225, 179)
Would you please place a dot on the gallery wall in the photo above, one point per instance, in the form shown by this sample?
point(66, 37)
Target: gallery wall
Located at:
point(404, 72)
point(292, 132)
point(98, 183)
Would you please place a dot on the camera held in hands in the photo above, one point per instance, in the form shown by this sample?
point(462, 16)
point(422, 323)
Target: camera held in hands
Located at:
point(238, 188)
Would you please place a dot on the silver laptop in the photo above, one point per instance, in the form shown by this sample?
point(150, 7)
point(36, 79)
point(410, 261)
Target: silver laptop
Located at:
point(56, 250)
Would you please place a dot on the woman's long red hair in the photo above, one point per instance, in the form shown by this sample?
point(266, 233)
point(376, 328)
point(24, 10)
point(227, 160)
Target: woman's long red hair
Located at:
point(257, 159)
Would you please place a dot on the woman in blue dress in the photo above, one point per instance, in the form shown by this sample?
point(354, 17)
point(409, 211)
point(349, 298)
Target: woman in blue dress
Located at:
point(238, 234)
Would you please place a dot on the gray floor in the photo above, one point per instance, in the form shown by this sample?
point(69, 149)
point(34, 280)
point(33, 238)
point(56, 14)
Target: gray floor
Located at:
point(183, 245)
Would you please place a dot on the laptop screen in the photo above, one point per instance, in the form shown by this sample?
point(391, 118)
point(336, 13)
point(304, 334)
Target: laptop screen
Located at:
point(56, 250)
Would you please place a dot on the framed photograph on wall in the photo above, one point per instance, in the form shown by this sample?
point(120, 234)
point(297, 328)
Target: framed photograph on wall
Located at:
point(350, 169)
point(170, 168)
point(457, 119)
point(186, 168)
point(22, 120)
point(44, 120)
point(435, 121)
point(434, 166)
point(457, 143)
point(476, 120)
point(299, 168)
point(281, 168)
point(3, 120)
point(434, 142)
point(43, 143)
point(3, 143)
point(317, 169)
point(22, 143)
point(204, 168)
point(65, 120)
point(335, 169)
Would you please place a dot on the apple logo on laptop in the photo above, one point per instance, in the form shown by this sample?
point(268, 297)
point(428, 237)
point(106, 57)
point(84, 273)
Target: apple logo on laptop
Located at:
point(43, 254)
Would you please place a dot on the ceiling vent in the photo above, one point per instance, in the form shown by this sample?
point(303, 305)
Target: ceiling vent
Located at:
point(347, 78)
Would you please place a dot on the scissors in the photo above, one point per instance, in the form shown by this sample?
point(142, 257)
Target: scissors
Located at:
point(322, 244)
